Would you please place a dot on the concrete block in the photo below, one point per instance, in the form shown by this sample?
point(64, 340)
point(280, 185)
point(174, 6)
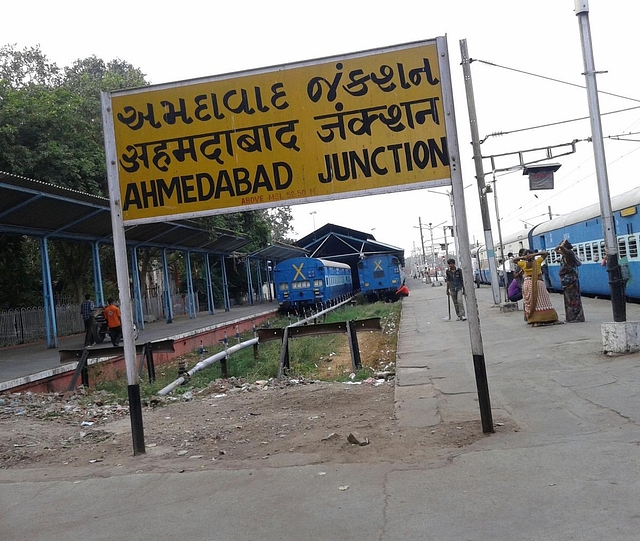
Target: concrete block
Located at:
point(621, 337)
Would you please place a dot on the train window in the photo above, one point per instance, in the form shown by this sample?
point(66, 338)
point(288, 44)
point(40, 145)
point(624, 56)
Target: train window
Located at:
point(633, 246)
point(602, 250)
point(596, 253)
point(588, 256)
point(378, 274)
point(622, 247)
point(284, 286)
point(581, 252)
point(317, 283)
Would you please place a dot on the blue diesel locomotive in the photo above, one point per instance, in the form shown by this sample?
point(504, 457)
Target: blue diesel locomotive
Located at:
point(583, 228)
point(311, 282)
point(380, 277)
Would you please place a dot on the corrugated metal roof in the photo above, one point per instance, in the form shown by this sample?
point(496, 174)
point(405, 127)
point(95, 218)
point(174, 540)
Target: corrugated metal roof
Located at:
point(347, 245)
point(278, 252)
point(34, 208)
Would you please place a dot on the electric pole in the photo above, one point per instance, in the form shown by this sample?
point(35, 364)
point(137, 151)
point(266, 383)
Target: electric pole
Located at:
point(477, 159)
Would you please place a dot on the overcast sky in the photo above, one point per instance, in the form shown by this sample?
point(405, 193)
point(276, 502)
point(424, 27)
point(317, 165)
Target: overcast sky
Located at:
point(189, 39)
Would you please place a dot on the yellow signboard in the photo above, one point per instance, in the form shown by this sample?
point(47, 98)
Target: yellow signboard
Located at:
point(366, 123)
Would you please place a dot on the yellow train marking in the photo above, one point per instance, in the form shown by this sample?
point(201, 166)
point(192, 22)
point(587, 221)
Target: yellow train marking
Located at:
point(298, 272)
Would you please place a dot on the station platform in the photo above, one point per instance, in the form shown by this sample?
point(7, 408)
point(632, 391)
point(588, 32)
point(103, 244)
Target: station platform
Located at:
point(27, 363)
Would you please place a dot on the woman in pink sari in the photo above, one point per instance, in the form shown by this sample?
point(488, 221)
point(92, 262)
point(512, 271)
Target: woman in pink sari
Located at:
point(538, 309)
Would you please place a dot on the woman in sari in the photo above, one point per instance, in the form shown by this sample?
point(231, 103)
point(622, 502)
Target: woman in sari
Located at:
point(538, 309)
point(570, 283)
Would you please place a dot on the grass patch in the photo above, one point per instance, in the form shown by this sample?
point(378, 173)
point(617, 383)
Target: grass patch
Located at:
point(325, 357)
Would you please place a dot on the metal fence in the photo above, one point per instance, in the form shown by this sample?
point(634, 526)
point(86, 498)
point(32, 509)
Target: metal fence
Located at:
point(26, 325)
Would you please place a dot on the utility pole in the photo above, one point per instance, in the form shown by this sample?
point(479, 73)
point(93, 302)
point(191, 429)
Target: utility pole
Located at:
point(616, 283)
point(433, 254)
point(477, 158)
point(446, 244)
point(424, 256)
point(502, 265)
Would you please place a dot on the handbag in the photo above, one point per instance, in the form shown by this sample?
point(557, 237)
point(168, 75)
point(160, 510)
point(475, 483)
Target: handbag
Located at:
point(514, 291)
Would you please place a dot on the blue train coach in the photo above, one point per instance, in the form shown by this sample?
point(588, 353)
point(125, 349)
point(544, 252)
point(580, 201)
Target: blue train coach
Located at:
point(583, 229)
point(380, 277)
point(311, 282)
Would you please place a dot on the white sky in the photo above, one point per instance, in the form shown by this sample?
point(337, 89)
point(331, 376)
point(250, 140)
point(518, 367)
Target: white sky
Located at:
point(188, 39)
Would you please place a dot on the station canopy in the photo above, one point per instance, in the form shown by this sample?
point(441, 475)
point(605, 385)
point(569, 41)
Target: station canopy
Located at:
point(279, 251)
point(345, 245)
point(38, 209)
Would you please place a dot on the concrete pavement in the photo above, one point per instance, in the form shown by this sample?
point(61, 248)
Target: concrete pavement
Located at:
point(567, 470)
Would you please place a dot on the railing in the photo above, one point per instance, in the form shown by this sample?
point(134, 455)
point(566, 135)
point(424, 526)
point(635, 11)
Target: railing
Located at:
point(25, 325)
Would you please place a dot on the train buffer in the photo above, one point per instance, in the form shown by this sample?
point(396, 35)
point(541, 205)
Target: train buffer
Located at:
point(72, 355)
point(349, 327)
point(82, 356)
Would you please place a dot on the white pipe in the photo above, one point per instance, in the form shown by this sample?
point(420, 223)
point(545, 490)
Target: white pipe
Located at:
point(219, 356)
point(207, 362)
point(318, 314)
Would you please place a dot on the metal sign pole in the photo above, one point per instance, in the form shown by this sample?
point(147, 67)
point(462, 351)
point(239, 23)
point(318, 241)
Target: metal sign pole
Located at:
point(465, 254)
point(122, 272)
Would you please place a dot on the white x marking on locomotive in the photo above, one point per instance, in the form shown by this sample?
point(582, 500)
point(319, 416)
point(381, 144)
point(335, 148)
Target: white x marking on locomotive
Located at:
point(299, 272)
point(378, 265)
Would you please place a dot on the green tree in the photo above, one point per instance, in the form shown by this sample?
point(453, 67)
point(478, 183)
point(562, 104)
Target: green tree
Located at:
point(51, 130)
point(280, 220)
point(20, 69)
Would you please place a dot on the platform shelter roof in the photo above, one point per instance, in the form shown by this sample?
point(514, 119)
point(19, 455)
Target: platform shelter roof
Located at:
point(346, 245)
point(39, 209)
point(278, 251)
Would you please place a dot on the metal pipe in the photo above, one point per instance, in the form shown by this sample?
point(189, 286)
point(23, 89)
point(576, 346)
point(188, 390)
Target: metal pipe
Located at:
point(205, 363)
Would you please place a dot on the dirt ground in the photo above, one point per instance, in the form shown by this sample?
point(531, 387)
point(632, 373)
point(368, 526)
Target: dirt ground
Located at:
point(230, 424)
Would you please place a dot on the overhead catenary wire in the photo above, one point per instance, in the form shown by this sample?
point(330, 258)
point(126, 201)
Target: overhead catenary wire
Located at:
point(553, 79)
point(621, 137)
point(560, 122)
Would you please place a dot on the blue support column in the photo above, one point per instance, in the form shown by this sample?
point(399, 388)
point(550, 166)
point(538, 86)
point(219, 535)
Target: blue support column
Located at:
point(269, 279)
point(249, 281)
point(138, 316)
point(191, 304)
point(260, 282)
point(225, 286)
point(207, 269)
point(97, 275)
point(47, 292)
point(166, 293)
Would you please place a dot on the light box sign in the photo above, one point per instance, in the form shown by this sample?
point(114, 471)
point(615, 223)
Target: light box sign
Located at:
point(360, 124)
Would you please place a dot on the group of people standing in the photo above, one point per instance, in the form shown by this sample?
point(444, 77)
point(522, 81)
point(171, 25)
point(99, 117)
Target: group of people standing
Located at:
point(538, 309)
point(111, 313)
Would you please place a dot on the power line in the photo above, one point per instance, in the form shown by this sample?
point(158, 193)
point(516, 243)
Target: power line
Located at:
point(552, 79)
point(496, 134)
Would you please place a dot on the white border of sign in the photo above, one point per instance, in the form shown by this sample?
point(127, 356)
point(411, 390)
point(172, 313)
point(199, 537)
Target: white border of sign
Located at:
point(444, 88)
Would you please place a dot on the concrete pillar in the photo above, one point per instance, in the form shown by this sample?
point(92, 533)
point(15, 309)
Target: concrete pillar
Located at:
point(621, 337)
